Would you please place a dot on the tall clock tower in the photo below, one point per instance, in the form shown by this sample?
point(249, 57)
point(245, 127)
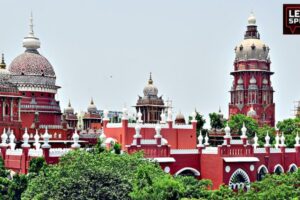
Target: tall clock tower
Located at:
point(252, 92)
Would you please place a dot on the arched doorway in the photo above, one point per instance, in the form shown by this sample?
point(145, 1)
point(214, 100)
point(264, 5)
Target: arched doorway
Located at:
point(261, 172)
point(278, 169)
point(188, 171)
point(239, 180)
point(293, 168)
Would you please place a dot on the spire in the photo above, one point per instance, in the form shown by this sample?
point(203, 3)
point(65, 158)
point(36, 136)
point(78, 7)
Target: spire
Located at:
point(2, 64)
point(31, 43)
point(92, 101)
point(150, 79)
point(31, 33)
point(251, 32)
point(69, 105)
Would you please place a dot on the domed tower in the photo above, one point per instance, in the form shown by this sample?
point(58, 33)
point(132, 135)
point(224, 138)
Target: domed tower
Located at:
point(252, 92)
point(70, 116)
point(150, 104)
point(35, 78)
point(92, 118)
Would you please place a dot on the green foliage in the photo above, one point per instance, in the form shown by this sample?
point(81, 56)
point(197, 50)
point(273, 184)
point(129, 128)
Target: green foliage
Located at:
point(3, 172)
point(216, 120)
point(83, 175)
point(284, 186)
point(200, 122)
point(290, 127)
point(262, 132)
point(117, 148)
point(236, 123)
point(36, 164)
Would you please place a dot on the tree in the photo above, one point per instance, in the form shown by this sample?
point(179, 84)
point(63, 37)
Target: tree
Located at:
point(236, 123)
point(84, 175)
point(262, 132)
point(216, 120)
point(200, 122)
point(36, 164)
point(3, 172)
point(284, 186)
point(290, 127)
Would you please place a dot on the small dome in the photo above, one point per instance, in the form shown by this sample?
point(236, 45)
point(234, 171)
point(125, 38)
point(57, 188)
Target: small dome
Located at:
point(251, 112)
point(92, 107)
point(251, 20)
point(179, 118)
point(69, 109)
point(240, 81)
point(4, 73)
point(150, 89)
point(252, 80)
point(265, 81)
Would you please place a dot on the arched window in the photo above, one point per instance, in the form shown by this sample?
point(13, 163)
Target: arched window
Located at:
point(293, 168)
point(278, 169)
point(6, 109)
point(261, 172)
point(239, 180)
point(187, 171)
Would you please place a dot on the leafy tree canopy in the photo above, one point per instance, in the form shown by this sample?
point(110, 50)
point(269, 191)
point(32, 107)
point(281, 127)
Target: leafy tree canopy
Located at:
point(236, 123)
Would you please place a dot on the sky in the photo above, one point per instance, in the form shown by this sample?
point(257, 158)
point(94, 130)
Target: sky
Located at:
point(106, 49)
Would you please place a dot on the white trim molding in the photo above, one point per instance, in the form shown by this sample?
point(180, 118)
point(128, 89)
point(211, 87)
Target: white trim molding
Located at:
point(195, 171)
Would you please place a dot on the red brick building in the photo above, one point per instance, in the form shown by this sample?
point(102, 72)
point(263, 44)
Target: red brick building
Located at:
point(252, 91)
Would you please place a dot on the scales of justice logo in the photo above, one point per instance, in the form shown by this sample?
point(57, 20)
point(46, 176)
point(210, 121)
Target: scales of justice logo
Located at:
point(291, 19)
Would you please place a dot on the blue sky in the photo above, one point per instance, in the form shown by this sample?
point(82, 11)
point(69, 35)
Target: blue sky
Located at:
point(106, 49)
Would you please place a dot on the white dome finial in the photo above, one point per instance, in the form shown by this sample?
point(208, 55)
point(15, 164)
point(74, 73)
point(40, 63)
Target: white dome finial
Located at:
point(251, 19)
point(31, 42)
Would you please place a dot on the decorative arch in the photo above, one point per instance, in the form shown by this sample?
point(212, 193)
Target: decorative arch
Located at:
point(293, 168)
point(239, 180)
point(278, 169)
point(194, 171)
point(261, 172)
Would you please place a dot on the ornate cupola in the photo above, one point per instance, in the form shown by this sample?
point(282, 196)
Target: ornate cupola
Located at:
point(150, 105)
point(252, 89)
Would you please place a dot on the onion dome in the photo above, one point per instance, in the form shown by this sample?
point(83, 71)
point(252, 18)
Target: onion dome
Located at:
point(92, 107)
point(150, 90)
point(240, 85)
point(179, 118)
point(31, 68)
point(240, 81)
point(251, 20)
point(251, 112)
point(69, 109)
point(265, 81)
point(252, 80)
point(252, 47)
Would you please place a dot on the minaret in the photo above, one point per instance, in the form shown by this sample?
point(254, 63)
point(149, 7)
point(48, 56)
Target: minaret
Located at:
point(252, 91)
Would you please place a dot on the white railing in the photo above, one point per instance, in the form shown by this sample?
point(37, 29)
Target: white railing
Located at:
point(236, 142)
point(260, 150)
point(210, 150)
point(147, 125)
point(35, 153)
point(148, 141)
point(16, 152)
point(51, 126)
point(182, 126)
point(274, 150)
point(290, 150)
point(58, 152)
point(88, 135)
point(114, 125)
point(184, 151)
